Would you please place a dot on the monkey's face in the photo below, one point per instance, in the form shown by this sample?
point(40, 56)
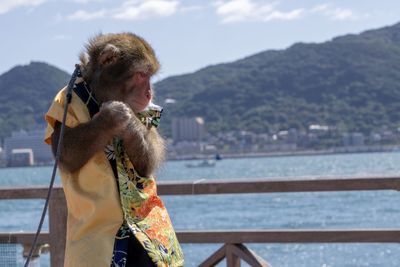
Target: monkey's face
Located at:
point(137, 91)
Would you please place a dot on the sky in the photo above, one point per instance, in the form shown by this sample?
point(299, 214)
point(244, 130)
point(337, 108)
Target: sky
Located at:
point(187, 35)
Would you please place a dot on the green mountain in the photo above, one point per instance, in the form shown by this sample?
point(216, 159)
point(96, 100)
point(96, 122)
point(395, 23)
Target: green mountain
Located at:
point(351, 82)
point(25, 95)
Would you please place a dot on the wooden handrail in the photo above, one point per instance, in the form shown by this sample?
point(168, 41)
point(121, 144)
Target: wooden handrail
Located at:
point(290, 236)
point(238, 186)
point(23, 237)
point(269, 185)
point(32, 192)
point(254, 236)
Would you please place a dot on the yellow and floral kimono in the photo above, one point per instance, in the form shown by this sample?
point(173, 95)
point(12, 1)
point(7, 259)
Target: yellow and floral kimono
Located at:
point(107, 200)
point(145, 215)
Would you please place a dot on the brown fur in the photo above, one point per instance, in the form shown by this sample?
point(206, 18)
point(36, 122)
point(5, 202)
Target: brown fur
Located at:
point(109, 62)
point(134, 54)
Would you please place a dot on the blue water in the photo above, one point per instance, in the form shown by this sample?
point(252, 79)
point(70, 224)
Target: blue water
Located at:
point(330, 210)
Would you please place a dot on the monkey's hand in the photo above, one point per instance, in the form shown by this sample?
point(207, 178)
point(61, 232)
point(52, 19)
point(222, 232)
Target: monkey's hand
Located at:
point(83, 141)
point(115, 115)
point(144, 146)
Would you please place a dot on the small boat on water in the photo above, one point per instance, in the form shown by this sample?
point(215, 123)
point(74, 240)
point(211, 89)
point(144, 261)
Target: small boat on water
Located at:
point(204, 163)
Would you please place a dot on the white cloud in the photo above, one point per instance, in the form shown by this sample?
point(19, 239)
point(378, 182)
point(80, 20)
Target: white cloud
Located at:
point(8, 5)
point(320, 8)
point(256, 10)
point(146, 9)
point(86, 1)
point(191, 8)
point(343, 14)
point(84, 15)
point(277, 15)
point(337, 13)
point(130, 10)
point(250, 10)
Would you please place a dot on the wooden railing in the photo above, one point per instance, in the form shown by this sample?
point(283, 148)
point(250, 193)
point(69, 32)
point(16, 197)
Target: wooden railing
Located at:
point(233, 249)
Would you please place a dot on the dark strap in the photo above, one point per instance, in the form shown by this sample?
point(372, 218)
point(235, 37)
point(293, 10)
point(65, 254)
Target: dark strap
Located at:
point(87, 96)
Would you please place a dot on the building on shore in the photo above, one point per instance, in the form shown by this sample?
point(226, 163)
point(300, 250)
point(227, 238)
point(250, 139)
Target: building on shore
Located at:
point(41, 153)
point(2, 158)
point(21, 157)
point(353, 139)
point(188, 129)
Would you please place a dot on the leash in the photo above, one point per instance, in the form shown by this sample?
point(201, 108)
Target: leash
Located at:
point(71, 85)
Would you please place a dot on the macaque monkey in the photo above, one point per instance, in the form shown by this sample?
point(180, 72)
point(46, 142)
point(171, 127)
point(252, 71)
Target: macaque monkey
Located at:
point(117, 69)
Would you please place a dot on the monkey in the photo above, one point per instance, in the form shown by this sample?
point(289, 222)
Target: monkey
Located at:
point(118, 69)
point(115, 216)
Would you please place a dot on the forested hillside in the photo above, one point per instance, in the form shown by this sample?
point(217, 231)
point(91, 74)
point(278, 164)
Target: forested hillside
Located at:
point(352, 82)
point(25, 95)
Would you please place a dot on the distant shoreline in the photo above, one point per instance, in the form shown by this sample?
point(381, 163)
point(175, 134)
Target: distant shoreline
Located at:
point(332, 151)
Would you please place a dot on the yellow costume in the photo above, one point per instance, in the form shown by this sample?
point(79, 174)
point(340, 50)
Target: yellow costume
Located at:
point(95, 212)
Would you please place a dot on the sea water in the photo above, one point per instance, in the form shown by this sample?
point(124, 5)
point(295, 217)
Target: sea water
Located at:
point(325, 210)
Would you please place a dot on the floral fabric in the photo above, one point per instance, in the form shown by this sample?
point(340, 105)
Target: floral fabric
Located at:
point(145, 215)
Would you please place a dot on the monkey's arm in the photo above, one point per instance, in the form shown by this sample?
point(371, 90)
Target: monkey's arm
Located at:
point(83, 141)
point(145, 147)
point(80, 143)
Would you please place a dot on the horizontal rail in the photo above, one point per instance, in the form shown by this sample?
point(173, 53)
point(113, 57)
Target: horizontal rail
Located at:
point(23, 238)
point(234, 186)
point(32, 192)
point(291, 236)
point(238, 186)
point(254, 236)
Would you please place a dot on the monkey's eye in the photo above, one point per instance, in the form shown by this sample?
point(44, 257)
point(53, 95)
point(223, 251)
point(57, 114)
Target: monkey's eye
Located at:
point(142, 74)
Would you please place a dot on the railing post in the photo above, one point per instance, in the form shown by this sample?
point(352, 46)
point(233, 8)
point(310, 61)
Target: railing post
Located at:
point(57, 227)
point(232, 260)
point(215, 258)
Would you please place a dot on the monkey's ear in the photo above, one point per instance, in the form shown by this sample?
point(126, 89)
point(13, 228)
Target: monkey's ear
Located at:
point(84, 58)
point(109, 55)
